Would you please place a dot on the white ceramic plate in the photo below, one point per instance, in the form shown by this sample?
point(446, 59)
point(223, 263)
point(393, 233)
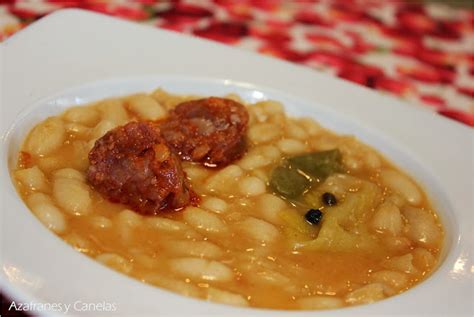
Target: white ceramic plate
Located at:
point(72, 57)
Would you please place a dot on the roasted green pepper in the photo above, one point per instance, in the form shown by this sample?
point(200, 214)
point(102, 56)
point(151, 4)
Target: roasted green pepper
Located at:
point(289, 182)
point(318, 164)
point(295, 175)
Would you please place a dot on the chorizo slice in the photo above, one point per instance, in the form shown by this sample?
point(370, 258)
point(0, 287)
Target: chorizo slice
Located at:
point(210, 131)
point(133, 165)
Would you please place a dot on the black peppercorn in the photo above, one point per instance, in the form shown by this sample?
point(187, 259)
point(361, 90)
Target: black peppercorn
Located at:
point(329, 199)
point(313, 216)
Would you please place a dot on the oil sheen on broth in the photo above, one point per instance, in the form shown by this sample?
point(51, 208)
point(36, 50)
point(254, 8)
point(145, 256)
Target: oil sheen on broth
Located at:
point(348, 228)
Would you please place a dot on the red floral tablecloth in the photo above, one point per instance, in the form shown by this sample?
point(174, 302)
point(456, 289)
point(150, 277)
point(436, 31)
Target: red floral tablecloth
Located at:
point(421, 53)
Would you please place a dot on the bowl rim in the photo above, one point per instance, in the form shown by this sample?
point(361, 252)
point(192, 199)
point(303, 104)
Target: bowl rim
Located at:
point(459, 254)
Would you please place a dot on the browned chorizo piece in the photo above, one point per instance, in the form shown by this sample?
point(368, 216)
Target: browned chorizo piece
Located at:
point(132, 164)
point(210, 131)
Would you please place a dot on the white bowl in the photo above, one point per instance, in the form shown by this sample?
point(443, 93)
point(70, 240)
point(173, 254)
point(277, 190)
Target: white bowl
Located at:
point(72, 57)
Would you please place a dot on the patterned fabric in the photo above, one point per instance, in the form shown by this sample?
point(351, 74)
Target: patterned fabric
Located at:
point(423, 54)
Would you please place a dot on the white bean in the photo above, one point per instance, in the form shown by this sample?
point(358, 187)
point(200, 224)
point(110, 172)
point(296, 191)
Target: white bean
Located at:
point(257, 114)
point(291, 146)
point(320, 302)
point(112, 110)
point(396, 280)
point(310, 126)
point(403, 263)
point(202, 220)
point(263, 133)
point(200, 249)
point(402, 185)
point(90, 144)
point(252, 186)
point(396, 199)
point(101, 222)
point(78, 242)
point(32, 178)
point(388, 219)
point(83, 115)
point(271, 152)
point(80, 151)
point(252, 161)
point(47, 213)
point(421, 227)
point(272, 278)
point(225, 179)
point(372, 160)
point(325, 143)
point(144, 260)
point(76, 129)
point(397, 243)
point(172, 284)
point(69, 173)
point(146, 107)
point(125, 223)
point(214, 204)
point(259, 230)
point(261, 174)
point(295, 131)
point(423, 259)
point(269, 207)
point(102, 128)
point(271, 107)
point(166, 224)
point(46, 137)
point(115, 262)
point(126, 236)
point(225, 297)
point(72, 196)
point(196, 173)
point(129, 218)
point(201, 269)
point(366, 294)
point(38, 198)
point(352, 163)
